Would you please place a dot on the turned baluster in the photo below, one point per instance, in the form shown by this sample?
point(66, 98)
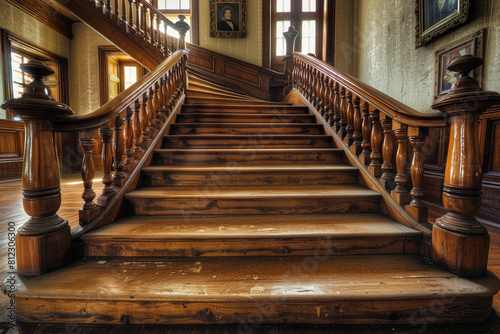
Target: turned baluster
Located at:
point(343, 113)
point(131, 7)
point(137, 126)
point(387, 178)
point(417, 208)
point(459, 242)
point(336, 109)
point(145, 122)
point(128, 135)
point(107, 161)
point(329, 106)
point(182, 29)
point(348, 140)
point(43, 242)
point(142, 22)
point(147, 24)
point(309, 82)
point(124, 11)
point(108, 8)
point(90, 209)
point(325, 95)
point(118, 150)
point(400, 193)
point(357, 120)
point(375, 166)
point(117, 9)
point(366, 132)
point(153, 126)
point(318, 103)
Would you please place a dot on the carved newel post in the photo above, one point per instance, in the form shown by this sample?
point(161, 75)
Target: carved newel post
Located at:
point(182, 28)
point(459, 242)
point(44, 241)
point(290, 37)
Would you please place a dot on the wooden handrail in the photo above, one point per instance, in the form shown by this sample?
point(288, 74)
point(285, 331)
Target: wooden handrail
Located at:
point(117, 105)
point(383, 102)
point(375, 130)
point(128, 126)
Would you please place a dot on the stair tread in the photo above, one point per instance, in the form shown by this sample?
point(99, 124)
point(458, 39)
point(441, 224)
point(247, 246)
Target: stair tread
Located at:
point(256, 150)
point(246, 280)
point(235, 192)
point(250, 168)
point(253, 124)
point(251, 226)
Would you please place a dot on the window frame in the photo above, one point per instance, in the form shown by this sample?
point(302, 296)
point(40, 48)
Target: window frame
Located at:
point(193, 12)
point(12, 42)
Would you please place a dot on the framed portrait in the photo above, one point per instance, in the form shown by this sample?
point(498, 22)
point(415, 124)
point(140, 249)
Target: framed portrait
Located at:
point(473, 45)
point(436, 17)
point(228, 18)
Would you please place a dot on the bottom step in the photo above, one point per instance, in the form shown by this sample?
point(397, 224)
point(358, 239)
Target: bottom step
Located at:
point(352, 289)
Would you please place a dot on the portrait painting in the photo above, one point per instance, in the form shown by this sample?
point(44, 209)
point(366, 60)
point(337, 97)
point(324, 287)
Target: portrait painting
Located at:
point(227, 18)
point(469, 45)
point(436, 17)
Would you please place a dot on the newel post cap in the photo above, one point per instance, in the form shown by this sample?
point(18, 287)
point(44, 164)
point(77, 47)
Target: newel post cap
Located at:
point(466, 94)
point(37, 99)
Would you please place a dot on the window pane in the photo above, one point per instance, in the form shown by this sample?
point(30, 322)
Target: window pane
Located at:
point(309, 36)
point(173, 4)
point(281, 27)
point(308, 5)
point(184, 4)
point(173, 32)
point(162, 4)
point(283, 6)
point(130, 75)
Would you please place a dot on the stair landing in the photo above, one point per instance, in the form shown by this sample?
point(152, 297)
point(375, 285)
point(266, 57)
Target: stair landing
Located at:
point(351, 289)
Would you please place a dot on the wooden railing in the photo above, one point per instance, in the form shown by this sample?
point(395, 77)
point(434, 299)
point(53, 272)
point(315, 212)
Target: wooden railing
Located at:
point(375, 129)
point(129, 126)
point(139, 29)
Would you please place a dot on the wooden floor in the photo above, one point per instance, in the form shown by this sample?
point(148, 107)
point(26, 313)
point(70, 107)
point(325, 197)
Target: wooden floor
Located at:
point(11, 211)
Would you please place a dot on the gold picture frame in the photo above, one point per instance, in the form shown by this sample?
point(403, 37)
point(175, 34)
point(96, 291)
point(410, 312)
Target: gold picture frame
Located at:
point(436, 17)
point(228, 18)
point(471, 44)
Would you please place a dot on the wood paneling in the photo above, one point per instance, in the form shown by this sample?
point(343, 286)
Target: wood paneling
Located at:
point(231, 72)
point(11, 149)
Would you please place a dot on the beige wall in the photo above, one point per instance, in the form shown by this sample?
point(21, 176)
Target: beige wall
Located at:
point(385, 55)
point(84, 69)
point(33, 31)
point(248, 49)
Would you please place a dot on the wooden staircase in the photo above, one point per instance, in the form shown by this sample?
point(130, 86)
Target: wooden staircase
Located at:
point(250, 214)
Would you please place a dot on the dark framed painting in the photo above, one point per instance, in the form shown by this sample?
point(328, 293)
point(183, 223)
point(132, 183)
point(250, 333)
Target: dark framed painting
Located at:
point(228, 18)
point(469, 45)
point(436, 17)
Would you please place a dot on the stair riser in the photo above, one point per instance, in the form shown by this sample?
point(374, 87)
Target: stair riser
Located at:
point(244, 110)
point(232, 118)
point(210, 204)
point(249, 130)
point(233, 177)
point(231, 101)
point(251, 315)
point(321, 246)
point(267, 141)
point(247, 157)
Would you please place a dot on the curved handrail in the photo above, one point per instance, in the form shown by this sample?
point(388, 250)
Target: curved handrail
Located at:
point(113, 108)
point(386, 104)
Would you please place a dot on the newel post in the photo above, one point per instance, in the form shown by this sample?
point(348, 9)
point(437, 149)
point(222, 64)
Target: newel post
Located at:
point(290, 37)
point(459, 242)
point(43, 242)
point(182, 28)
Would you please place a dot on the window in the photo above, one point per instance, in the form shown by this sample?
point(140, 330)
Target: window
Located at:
point(16, 52)
point(173, 8)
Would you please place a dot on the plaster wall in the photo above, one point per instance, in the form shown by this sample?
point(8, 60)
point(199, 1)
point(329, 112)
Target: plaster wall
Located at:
point(33, 31)
point(385, 56)
point(248, 49)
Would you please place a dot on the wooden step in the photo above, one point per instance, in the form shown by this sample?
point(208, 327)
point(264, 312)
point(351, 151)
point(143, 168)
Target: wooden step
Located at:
point(246, 141)
point(251, 200)
point(248, 156)
point(202, 93)
point(244, 118)
point(225, 101)
point(245, 109)
point(212, 88)
point(252, 235)
point(234, 175)
point(328, 290)
point(246, 129)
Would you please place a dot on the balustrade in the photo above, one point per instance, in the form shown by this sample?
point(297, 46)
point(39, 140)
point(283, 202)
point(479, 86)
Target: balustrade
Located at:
point(379, 130)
